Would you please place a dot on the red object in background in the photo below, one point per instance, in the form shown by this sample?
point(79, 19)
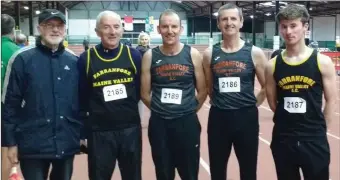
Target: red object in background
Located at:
point(335, 56)
point(128, 19)
point(14, 175)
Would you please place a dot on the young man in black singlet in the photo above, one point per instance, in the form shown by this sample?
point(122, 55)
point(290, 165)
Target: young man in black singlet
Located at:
point(230, 68)
point(295, 82)
point(109, 92)
point(173, 72)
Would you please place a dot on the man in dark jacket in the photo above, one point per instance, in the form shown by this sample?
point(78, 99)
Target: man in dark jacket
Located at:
point(40, 99)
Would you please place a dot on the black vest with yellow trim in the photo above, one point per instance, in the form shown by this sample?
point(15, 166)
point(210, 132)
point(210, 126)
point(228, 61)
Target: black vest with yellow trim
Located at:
point(113, 102)
point(299, 94)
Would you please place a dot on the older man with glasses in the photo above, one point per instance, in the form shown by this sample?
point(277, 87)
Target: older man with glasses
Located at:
point(40, 96)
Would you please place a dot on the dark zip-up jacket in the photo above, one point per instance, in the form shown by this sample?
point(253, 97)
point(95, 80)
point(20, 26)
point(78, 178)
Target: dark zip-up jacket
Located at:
point(40, 113)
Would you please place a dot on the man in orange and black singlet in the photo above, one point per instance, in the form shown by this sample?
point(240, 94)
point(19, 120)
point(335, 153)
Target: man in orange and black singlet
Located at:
point(109, 90)
point(173, 72)
point(295, 82)
point(230, 67)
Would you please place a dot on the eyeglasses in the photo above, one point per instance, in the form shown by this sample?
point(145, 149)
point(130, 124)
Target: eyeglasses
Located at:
point(50, 26)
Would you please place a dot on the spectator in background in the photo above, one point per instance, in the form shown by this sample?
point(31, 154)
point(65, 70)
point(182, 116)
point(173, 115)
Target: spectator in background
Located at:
point(143, 43)
point(128, 42)
point(8, 48)
point(21, 40)
point(143, 46)
point(86, 44)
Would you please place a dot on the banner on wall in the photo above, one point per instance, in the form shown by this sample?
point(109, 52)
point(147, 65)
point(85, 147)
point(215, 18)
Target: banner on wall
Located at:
point(128, 23)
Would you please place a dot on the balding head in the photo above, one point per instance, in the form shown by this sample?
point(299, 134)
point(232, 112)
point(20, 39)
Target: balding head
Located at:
point(21, 39)
point(169, 12)
point(7, 25)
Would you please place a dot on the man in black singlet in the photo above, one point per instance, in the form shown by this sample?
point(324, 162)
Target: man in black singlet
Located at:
point(230, 68)
point(295, 82)
point(109, 90)
point(173, 72)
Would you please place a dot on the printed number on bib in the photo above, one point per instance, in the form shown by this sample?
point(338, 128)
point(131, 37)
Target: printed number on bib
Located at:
point(229, 84)
point(171, 96)
point(114, 92)
point(295, 105)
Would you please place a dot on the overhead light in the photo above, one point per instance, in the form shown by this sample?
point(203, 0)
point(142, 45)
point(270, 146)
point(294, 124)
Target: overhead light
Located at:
point(268, 14)
point(37, 12)
point(215, 13)
point(310, 8)
point(26, 7)
point(251, 16)
point(267, 4)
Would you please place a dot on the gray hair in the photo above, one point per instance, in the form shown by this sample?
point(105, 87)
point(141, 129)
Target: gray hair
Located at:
point(106, 13)
point(229, 6)
point(21, 38)
point(141, 35)
point(7, 24)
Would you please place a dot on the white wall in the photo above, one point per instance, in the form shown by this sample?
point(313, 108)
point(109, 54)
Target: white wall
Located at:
point(322, 28)
point(24, 26)
point(338, 25)
point(81, 18)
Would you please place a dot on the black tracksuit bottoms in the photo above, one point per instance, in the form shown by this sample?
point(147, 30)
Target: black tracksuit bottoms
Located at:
point(105, 147)
point(238, 128)
point(175, 143)
point(311, 156)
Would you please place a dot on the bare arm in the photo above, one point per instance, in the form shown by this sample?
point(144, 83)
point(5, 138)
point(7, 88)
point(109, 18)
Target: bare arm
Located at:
point(200, 78)
point(270, 84)
point(260, 61)
point(146, 79)
point(207, 70)
point(327, 69)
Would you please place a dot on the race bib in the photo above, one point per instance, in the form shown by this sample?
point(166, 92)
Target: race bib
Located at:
point(295, 104)
point(171, 96)
point(114, 92)
point(229, 84)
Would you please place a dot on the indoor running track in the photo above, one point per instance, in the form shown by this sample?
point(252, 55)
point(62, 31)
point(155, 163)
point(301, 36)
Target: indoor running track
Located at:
point(266, 167)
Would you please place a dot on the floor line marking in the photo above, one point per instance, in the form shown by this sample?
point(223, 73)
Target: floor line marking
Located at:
point(205, 165)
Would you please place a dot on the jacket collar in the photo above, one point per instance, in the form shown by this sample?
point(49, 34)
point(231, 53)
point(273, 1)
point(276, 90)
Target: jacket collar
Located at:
point(46, 49)
point(8, 39)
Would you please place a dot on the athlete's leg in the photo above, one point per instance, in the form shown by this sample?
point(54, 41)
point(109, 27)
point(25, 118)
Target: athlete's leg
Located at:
point(315, 159)
point(246, 142)
point(164, 165)
point(130, 153)
point(184, 138)
point(102, 154)
point(285, 156)
point(219, 144)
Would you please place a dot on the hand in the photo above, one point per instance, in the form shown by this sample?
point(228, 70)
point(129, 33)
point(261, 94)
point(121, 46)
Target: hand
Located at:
point(12, 154)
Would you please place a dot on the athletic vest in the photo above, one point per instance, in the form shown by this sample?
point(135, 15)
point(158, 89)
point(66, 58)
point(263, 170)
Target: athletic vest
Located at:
point(299, 95)
point(113, 102)
point(173, 84)
point(233, 78)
